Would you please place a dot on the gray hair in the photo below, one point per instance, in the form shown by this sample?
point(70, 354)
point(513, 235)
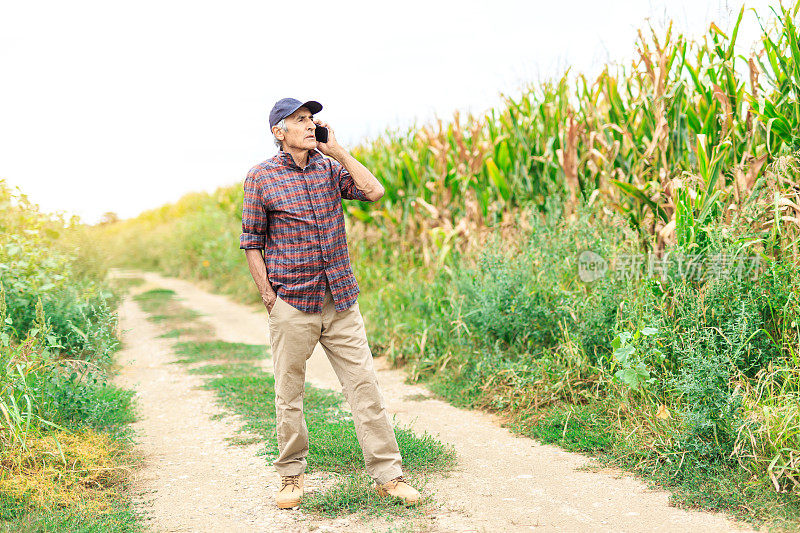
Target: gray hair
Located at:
point(281, 125)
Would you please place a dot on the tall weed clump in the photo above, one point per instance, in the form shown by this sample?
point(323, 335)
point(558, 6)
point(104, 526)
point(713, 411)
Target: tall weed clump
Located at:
point(768, 439)
point(516, 326)
point(58, 322)
point(717, 333)
point(36, 267)
point(721, 334)
point(714, 415)
point(57, 339)
point(527, 297)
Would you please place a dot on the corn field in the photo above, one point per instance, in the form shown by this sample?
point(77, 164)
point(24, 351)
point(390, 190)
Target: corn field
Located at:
point(689, 132)
point(681, 136)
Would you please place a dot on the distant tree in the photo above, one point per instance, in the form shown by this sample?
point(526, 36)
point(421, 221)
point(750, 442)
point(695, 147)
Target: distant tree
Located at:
point(108, 217)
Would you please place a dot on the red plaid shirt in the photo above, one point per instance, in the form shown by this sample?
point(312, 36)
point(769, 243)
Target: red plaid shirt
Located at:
point(295, 215)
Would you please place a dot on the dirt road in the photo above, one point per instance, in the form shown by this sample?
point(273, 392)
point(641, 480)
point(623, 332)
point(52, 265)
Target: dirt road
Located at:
point(195, 481)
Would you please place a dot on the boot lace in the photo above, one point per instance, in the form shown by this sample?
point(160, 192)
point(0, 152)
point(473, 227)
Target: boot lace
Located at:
point(291, 480)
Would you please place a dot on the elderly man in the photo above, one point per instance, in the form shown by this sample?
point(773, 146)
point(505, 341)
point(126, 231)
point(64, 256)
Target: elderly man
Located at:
point(294, 239)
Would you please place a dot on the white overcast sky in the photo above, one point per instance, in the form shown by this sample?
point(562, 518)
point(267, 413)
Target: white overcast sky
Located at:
point(124, 106)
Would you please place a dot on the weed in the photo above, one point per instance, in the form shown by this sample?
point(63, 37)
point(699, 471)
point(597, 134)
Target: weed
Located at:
point(92, 470)
point(64, 461)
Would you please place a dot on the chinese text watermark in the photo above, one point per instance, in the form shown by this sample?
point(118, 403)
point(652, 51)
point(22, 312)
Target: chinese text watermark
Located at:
point(695, 267)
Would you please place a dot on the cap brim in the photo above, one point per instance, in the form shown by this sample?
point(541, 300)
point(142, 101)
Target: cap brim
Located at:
point(313, 106)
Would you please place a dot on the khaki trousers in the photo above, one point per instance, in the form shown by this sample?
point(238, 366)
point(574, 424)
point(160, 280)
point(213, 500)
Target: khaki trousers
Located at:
point(294, 334)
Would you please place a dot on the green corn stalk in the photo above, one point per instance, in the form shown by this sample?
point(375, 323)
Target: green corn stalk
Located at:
point(780, 108)
point(694, 214)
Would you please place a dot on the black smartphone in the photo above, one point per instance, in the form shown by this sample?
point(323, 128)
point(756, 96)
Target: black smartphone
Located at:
point(321, 134)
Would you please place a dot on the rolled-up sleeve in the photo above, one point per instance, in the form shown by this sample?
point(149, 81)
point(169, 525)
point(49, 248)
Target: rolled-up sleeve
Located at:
point(346, 184)
point(254, 216)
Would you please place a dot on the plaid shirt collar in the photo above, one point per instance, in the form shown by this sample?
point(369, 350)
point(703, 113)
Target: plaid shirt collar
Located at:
point(314, 157)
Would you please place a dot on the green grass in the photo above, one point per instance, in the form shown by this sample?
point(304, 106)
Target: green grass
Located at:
point(355, 494)
point(163, 307)
point(123, 285)
point(577, 428)
point(193, 352)
point(155, 300)
point(246, 390)
point(175, 317)
point(177, 333)
point(121, 518)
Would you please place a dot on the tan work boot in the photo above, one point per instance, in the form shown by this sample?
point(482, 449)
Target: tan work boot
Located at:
point(290, 493)
point(398, 487)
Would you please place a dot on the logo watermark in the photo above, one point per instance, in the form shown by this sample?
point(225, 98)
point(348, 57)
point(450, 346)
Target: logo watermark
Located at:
point(695, 267)
point(591, 266)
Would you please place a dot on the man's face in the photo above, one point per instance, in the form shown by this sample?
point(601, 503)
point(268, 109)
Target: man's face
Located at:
point(299, 132)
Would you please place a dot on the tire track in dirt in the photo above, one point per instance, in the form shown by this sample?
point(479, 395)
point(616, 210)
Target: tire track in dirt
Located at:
point(502, 482)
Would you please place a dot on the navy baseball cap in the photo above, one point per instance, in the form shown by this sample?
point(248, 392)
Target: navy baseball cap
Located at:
point(286, 106)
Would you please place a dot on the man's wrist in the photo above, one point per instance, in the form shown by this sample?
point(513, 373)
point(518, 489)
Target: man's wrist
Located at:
point(268, 295)
point(339, 154)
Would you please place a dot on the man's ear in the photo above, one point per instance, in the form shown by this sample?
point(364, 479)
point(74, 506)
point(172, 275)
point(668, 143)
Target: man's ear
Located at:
point(276, 131)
